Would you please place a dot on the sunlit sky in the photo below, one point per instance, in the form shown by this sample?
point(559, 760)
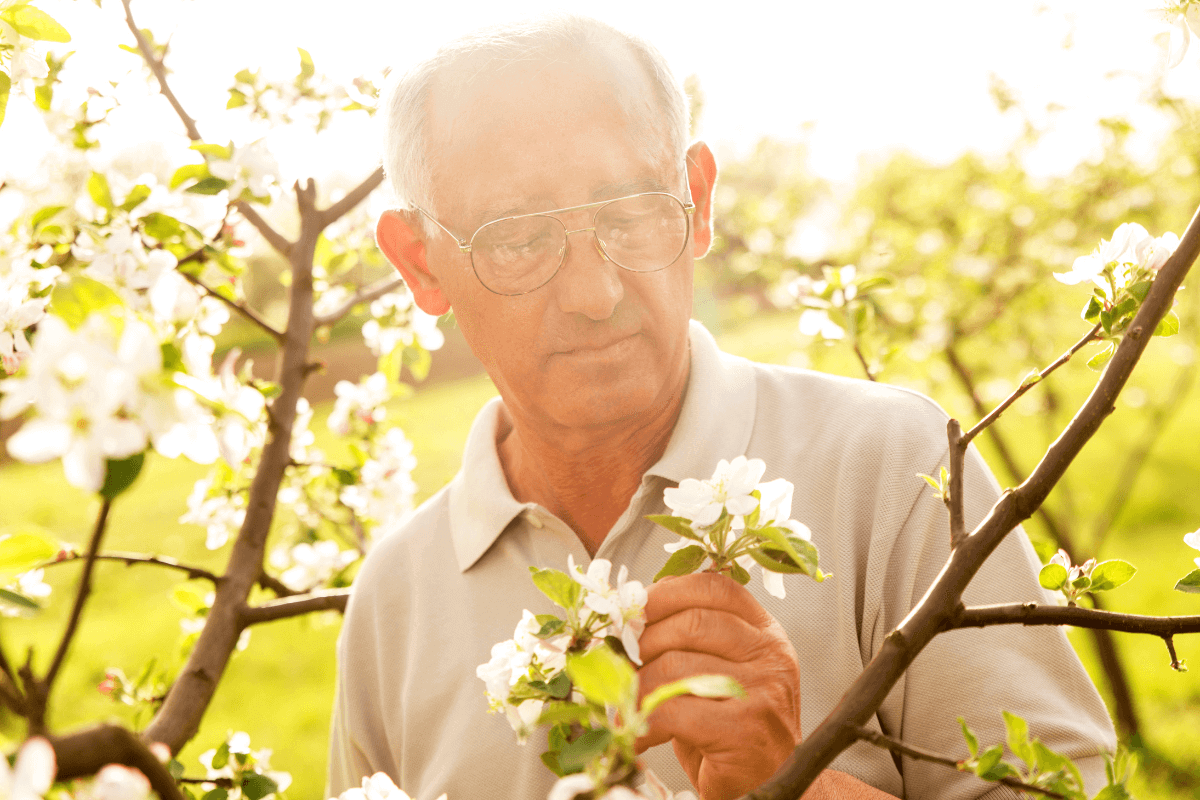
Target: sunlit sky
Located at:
point(855, 79)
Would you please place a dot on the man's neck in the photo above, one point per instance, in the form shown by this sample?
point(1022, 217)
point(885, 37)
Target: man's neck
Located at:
point(587, 478)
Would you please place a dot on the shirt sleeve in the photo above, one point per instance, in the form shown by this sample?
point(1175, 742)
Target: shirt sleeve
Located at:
point(348, 764)
point(977, 673)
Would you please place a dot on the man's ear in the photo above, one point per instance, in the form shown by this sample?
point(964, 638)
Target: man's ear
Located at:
point(702, 179)
point(399, 236)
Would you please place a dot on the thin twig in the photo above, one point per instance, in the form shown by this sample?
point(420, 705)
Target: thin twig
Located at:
point(1076, 616)
point(896, 746)
point(81, 595)
point(160, 72)
point(1026, 385)
point(284, 608)
point(863, 361)
point(1176, 664)
point(274, 237)
point(352, 198)
point(239, 307)
point(364, 295)
point(958, 451)
point(10, 696)
point(193, 572)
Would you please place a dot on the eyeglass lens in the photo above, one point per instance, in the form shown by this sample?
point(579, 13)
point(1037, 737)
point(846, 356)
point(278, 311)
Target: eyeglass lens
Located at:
point(643, 233)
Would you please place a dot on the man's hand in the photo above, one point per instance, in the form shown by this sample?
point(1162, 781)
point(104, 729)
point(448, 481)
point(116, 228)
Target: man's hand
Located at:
point(706, 624)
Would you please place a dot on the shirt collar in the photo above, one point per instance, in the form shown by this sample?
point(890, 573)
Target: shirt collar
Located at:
point(714, 423)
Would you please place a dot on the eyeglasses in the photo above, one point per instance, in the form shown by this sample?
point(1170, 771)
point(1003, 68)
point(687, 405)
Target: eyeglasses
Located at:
point(515, 255)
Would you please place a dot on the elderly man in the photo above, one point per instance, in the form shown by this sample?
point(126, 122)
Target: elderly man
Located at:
point(551, 201)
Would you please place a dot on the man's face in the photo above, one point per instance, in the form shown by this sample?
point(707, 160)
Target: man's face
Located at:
point(597, 344)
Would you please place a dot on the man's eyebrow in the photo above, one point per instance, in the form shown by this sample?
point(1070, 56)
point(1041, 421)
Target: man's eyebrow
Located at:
point(610, 191)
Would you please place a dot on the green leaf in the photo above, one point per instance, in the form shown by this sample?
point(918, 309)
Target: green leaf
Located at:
point(161, 227)
point(1111, 574)
point(221, 757)
point(219, 793)
point(576, 755)
point(307, 69)
point(550, 759)
point(17, 599)
point(988, 760)
point(257, 786)
point(76, 299)
point(137, 195)
point(236, 99)
point(678, 525)
point(1081, 583)
point(418, 360)
point(5, 89)
point(562, 590)
point(1091, 312)
point(244, 76)
point(97, 187)
point(209, 185)
point(1101, 358)
point(1115, 791)
point(1126, 307)
point(1189, 583)
point(222, 152)
point(551, 627)
point(739, 573)
point(1053, 576)
point(121, 474)
point(1140, 289)
point(42, 215)
point(699, 685)
point(778, 537)
point(33, 23)
point(1032, 377)
point(1018, 737)
point(24, 550)
point(188, 172)
point(604, 677)
point(559, 686)
point(555, 713)
point(972, 739)
point(344, 476)
point(175, 768)
point(1168, 325)
point(43, 95)
point(189, 600)
point(684, 561)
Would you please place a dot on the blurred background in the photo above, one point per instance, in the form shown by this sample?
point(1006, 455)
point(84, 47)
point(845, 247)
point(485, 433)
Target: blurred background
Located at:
point(964, 152)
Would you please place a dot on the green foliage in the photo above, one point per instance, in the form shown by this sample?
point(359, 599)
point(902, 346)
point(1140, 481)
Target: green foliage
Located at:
point(684, 561)
point(120, 474)
point(1189, 583)
point(603, 677)
point(557, 585)
point(33, 23)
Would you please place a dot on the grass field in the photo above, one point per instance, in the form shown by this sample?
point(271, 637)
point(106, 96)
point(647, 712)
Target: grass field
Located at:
point(280, 689)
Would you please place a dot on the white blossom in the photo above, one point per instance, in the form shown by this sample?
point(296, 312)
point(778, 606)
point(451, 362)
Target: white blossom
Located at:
point(729, 488)
point(624, 604)
point(1152, 254)
point(385, 489)
point(25, 64)
point(816, 321)
point(397, 321)
point(237, 409)
point(1193, 540)
point(250, 167)
point(33, 774)
point(19, 310)
point(1123, 248)
point(221, 514)
point(377, 787)
point(177, 303)
point(362, 402)
point(314, 564)
point(116, 782)
point(122, 261)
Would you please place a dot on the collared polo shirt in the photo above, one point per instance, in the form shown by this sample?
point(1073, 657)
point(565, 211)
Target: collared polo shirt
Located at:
point(435, 595)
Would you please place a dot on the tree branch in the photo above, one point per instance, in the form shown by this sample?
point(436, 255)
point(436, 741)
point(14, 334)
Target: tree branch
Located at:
point(958, 452)
point(352, 198)
point(364, 295)
point(295, 606)
point(241, 308)
point(265, 580)
point(867, 693)
point(179, 717)
point(886, 742)
point(273, 237)
point(863, 361)
point(1076, 616)
point(81, 596)
point(1025, 386)
point(84, 753)
point(160, 72)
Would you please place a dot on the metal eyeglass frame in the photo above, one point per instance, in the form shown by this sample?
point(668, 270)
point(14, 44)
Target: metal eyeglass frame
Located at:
point(466, 245)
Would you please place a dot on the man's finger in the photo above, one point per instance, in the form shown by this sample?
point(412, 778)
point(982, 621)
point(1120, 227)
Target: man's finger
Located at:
point(702, 630)
point(703, 590)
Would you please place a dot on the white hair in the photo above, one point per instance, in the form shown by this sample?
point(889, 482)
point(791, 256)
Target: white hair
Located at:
point(661, 119)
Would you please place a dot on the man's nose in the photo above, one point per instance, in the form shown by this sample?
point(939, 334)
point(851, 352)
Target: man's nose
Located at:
point(588, 282)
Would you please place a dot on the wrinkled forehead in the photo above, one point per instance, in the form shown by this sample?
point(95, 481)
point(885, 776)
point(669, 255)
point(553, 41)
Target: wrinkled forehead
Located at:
point(484, 105)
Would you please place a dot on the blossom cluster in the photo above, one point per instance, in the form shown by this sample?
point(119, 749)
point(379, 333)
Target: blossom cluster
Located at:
point(527, 671)
point(248, 771)
point(396, 321)
point(1115, 262)
point(737, 522)
point(377, 787)
point(25, 284)
point(835, 302)
point(1090, 576)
